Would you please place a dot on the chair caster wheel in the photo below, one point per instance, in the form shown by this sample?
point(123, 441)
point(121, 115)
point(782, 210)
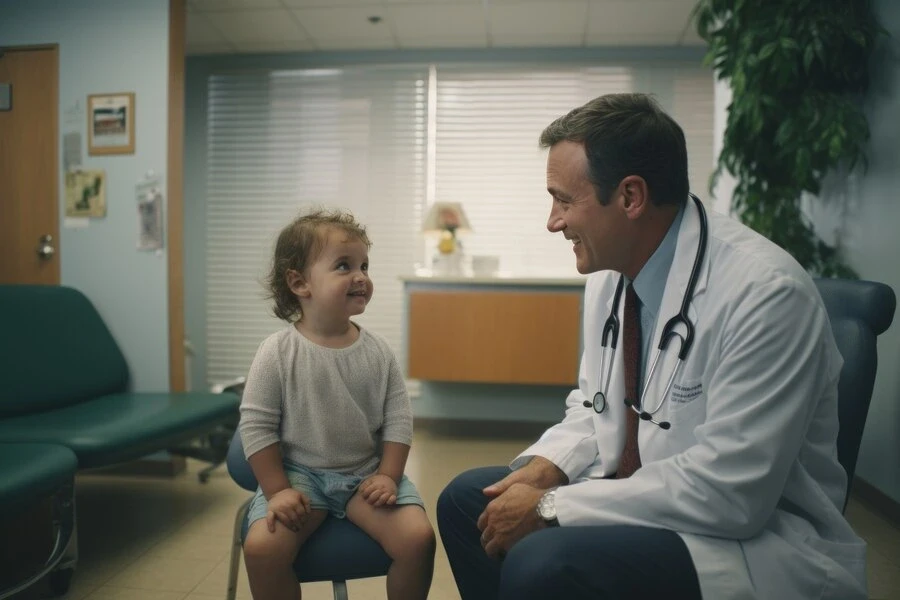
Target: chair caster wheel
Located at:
point(60, 581)
point(203, 477)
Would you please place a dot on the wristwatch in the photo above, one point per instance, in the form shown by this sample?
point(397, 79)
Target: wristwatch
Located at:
point(546, 508)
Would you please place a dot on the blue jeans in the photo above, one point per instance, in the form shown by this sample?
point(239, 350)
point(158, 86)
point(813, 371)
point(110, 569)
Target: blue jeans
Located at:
point(613, 562)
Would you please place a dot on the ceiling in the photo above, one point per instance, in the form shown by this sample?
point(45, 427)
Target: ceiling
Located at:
point(247, 26)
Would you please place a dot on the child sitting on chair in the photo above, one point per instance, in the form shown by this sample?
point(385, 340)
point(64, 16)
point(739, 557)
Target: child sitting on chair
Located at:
point(325, 418)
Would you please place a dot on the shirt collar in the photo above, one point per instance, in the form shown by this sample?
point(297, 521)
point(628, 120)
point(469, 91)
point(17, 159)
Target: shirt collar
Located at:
point(650, 283)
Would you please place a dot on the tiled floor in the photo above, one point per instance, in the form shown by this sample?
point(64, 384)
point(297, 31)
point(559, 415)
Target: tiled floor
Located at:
point(143, 538)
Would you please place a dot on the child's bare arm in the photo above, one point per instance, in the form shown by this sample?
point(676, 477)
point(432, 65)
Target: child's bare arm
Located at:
point(286, 504)
point(268, 469)
point(381, 488)
point(393, 460)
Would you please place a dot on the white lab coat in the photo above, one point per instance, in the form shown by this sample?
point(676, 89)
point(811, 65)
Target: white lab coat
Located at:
point(748, 473)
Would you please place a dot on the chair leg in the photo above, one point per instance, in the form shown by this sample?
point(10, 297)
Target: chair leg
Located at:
point(236, 550)
point(64, 554)
point(340, 590)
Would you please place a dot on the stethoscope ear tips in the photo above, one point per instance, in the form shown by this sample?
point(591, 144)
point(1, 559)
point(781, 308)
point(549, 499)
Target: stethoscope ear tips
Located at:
point(587, 404)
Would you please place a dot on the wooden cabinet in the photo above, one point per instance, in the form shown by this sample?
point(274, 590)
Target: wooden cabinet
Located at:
point(505, 335)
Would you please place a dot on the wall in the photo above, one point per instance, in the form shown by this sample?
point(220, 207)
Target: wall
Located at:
point(111, 46)
point(864, 211)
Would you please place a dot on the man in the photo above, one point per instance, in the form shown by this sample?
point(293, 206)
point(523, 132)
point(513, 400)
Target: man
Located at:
point(727, 485)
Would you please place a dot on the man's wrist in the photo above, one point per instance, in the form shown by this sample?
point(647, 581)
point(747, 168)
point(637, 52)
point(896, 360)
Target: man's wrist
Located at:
point(547, 474)
point(546, 508)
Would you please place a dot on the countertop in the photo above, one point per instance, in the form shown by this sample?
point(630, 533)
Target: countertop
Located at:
point(495, 280)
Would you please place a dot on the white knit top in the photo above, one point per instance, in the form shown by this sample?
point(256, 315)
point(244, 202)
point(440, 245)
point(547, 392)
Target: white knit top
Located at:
point(331, 409)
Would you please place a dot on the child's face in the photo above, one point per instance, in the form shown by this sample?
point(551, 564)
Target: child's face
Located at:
point(337, 283)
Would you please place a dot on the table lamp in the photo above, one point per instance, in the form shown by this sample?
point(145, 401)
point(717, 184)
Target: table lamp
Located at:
point(446, 219)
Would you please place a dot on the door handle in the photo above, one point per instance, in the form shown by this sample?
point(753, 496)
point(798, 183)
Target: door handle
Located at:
point(45, 249)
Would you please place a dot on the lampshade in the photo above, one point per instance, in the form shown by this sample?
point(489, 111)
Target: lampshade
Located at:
point(445, 216)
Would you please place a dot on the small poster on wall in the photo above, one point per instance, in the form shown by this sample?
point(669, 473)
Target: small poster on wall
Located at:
point(149, 213)
point(111, 123)
point(86, 193)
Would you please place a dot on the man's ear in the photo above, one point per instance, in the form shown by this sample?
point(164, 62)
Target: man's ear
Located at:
point(297, 283)
point(635, 196)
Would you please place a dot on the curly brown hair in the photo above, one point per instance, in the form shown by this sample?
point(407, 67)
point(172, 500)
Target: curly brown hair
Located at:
point(298, 246)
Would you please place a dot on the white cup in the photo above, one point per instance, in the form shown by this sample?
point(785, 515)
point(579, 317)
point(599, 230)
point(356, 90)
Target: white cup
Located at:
point(485, 266)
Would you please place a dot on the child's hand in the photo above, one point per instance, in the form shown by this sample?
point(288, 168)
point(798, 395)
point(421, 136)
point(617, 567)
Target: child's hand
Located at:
point(379, 490)
point(289, 506)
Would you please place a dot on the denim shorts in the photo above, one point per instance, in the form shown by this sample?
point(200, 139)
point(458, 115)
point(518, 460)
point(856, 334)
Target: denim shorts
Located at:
point(327, 490)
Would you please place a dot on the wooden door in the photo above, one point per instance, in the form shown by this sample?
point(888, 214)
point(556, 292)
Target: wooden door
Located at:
point(29, 178)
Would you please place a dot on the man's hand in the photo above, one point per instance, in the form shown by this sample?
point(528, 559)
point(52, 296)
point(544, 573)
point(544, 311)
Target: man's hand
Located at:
point(290, 507)
point(379, 490)
point(510, 517)
point(538, 473)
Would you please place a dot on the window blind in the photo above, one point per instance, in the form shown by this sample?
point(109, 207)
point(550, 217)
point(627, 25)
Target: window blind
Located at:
point(284, 141)
point(487, 154)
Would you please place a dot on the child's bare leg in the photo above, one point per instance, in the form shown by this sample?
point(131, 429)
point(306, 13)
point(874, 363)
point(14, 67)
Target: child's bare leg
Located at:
point(270, 557)
point(408, 538)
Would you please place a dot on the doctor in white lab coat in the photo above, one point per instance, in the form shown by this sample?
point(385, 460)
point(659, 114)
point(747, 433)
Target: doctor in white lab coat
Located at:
point(741, 497)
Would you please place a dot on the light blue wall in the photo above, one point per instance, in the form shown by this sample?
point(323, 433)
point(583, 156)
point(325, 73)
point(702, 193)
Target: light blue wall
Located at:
point(865, 210)
point(111, 46)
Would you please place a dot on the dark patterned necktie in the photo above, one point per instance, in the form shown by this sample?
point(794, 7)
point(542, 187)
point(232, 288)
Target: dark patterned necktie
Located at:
point(631, 340)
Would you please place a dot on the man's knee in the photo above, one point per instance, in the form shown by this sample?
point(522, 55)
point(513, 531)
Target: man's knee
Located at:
point(464, 495)
point(533, 567)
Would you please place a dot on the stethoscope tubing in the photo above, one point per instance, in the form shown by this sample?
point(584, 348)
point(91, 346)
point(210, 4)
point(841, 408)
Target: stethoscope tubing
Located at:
point(611, 329)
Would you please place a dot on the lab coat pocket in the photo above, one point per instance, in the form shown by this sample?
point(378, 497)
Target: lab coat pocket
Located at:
point(686, 411)
point(685, 392)
point(845, 565)
point(849, 554)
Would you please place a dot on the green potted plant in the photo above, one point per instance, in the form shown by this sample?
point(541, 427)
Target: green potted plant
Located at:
point(798, 70)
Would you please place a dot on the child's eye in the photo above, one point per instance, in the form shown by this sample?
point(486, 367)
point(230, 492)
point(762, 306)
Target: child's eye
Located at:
point(365, 267)
point(342, 266)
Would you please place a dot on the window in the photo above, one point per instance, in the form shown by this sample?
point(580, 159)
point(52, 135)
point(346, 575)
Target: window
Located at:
point(285, 141)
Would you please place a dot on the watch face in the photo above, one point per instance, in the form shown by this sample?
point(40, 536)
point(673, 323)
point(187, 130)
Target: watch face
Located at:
point(547, 506)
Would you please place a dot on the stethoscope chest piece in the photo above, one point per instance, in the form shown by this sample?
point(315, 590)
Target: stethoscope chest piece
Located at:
point(599, 403)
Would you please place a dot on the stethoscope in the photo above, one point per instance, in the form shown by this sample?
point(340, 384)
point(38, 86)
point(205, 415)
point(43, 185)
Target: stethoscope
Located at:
point(610, 338)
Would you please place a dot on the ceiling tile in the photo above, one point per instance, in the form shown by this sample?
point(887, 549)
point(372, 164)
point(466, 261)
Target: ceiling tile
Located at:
point(207, 5)
point(690, 37)
point(537, 40)
point(201, 31)
point(195, 49)
point(330, 43)
point(438, 21)
point(565, 17)
point(275, 46)
point(257, 26)
point(433, 2)
point(626, 39)
point(331, 3)
point(644, 19)
point(344, 23)
point(461, 41)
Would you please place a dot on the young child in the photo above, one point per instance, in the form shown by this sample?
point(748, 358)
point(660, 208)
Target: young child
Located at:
point(325, 418)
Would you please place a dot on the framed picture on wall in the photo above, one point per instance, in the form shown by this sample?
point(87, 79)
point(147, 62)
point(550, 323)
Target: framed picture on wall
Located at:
point(111, 123)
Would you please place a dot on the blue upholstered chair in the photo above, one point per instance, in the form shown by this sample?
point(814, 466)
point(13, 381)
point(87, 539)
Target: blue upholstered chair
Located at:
point(859, 312)
point(336, 552)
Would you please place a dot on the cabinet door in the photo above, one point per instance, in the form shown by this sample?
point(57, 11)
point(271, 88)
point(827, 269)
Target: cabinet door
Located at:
point(495, 337)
